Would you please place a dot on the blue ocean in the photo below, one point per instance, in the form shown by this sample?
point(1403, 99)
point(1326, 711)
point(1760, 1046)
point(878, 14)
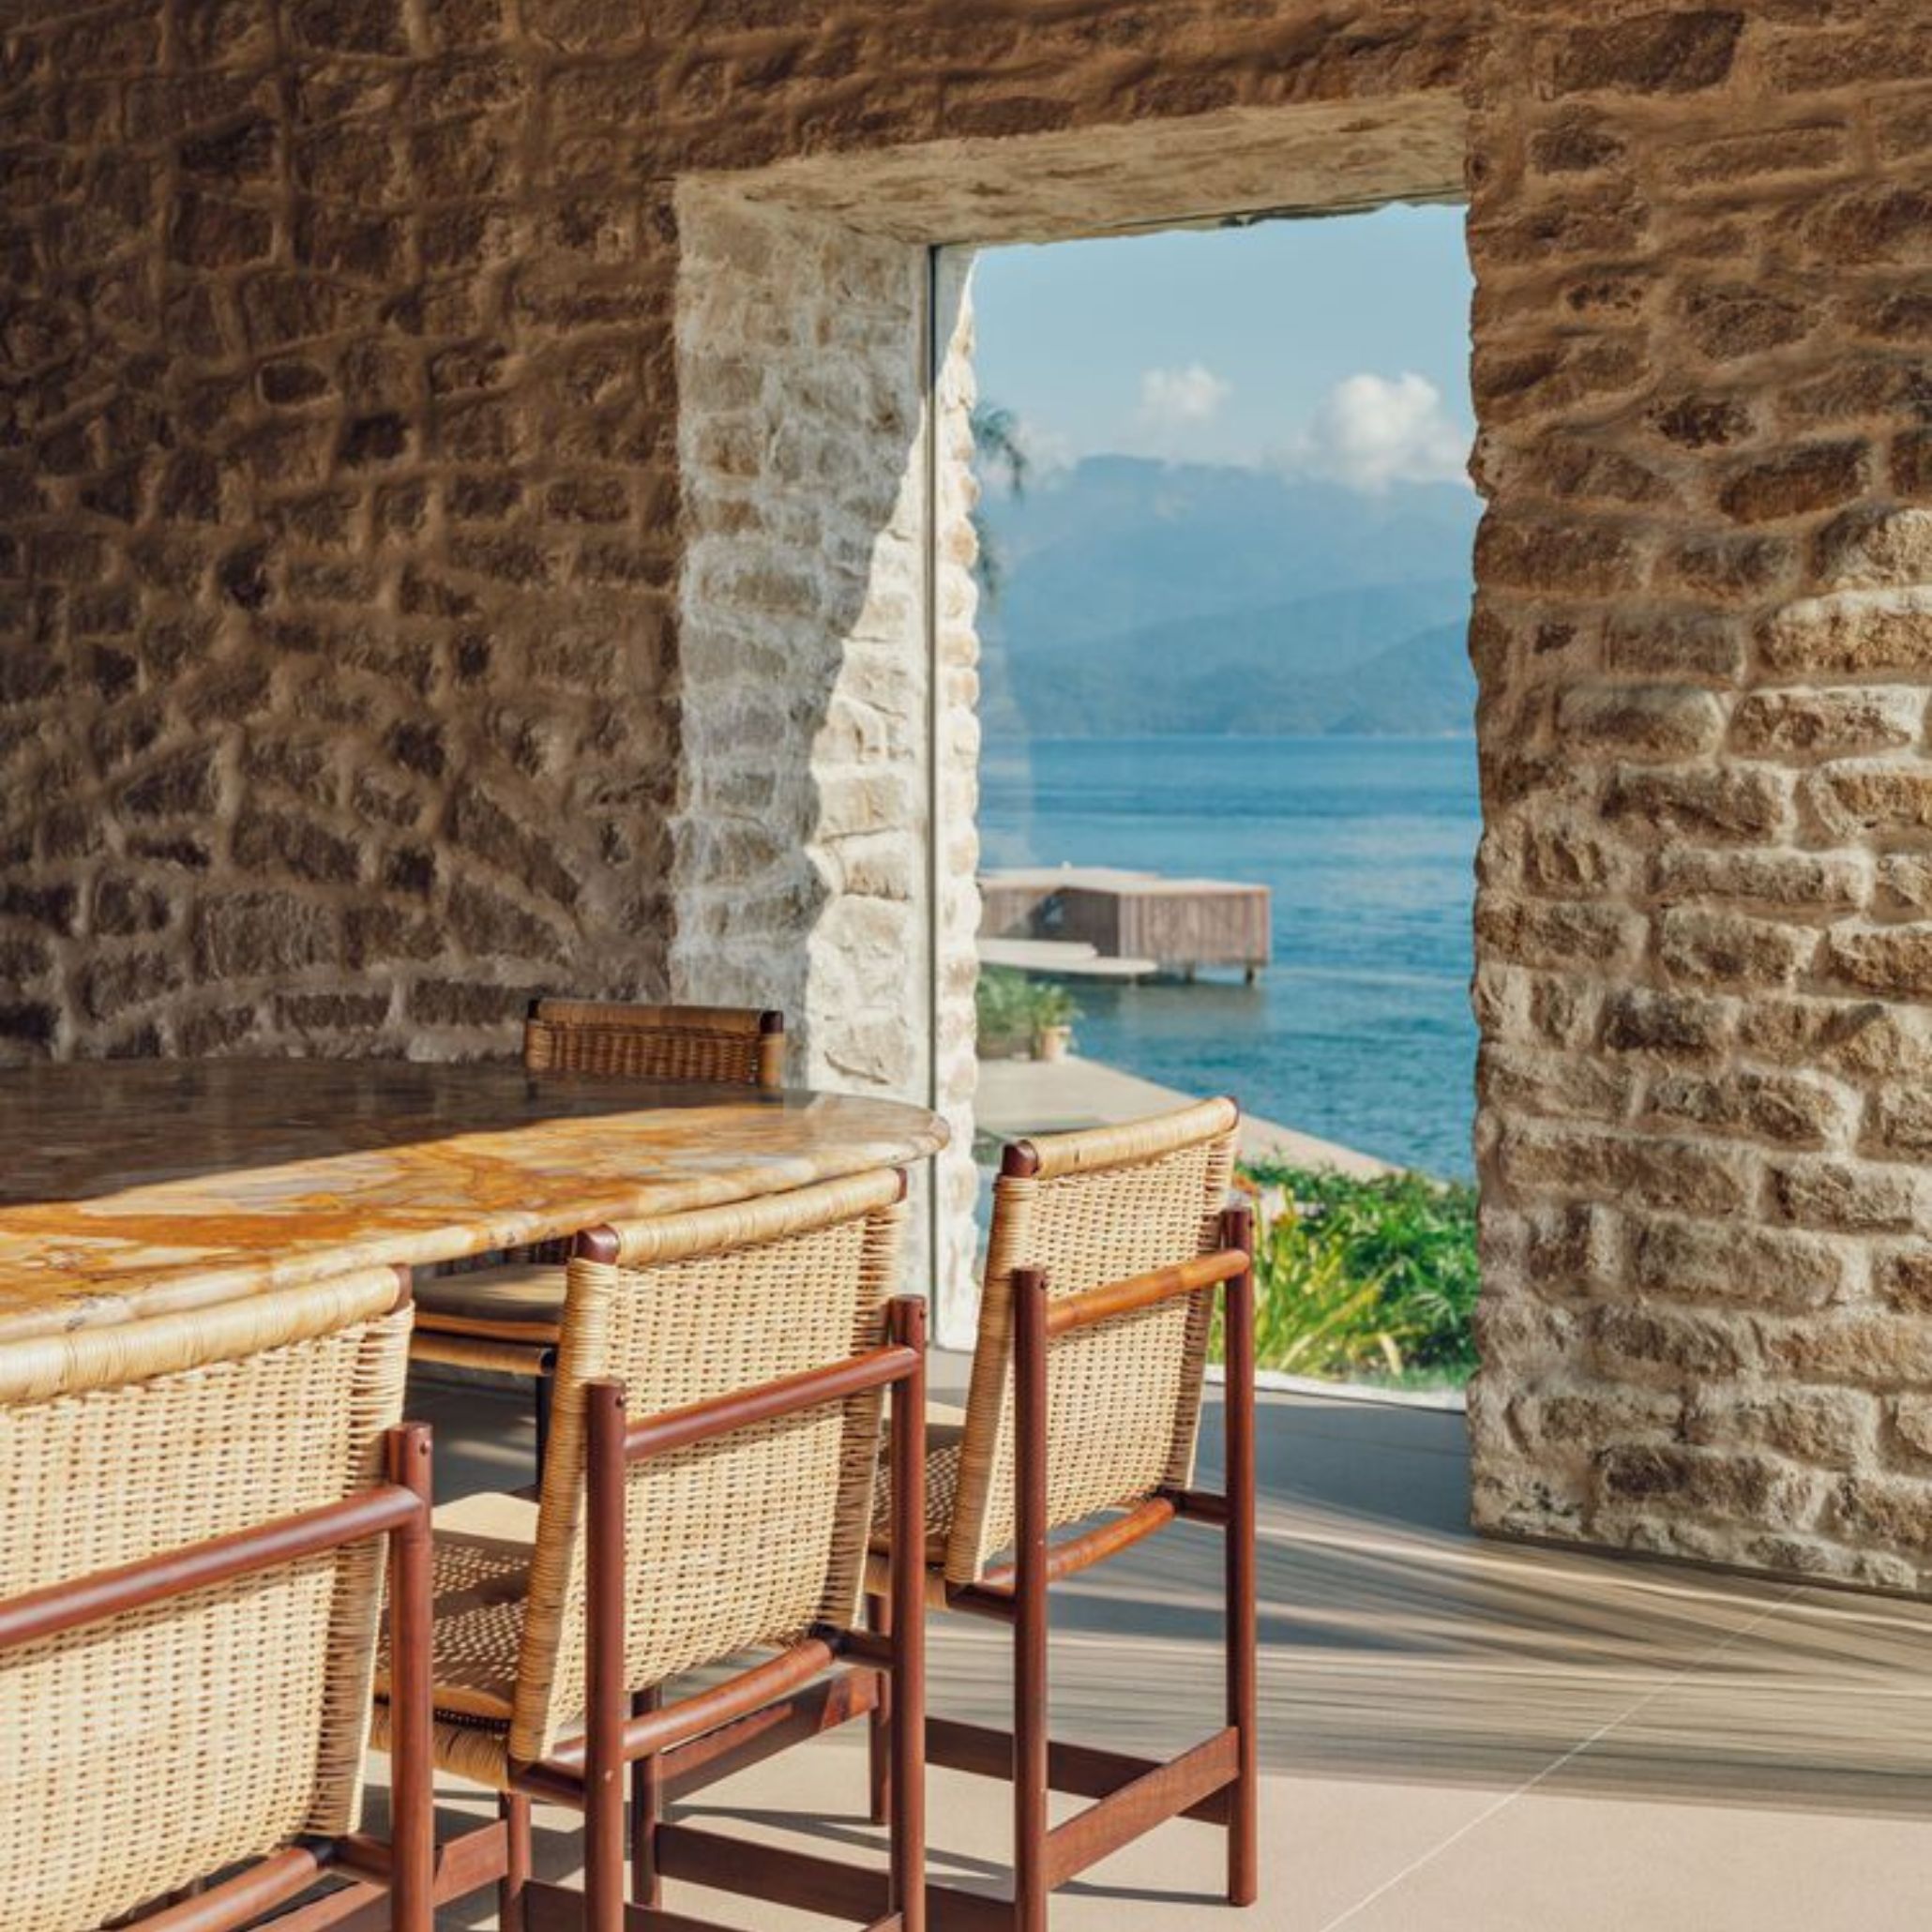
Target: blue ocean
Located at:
point(1360, 1031)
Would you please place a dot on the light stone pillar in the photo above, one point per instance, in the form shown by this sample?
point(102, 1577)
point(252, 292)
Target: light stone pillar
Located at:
point(815, 604)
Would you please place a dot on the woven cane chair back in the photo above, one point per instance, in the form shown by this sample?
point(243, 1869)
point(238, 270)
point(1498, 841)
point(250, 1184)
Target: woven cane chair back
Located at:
point(730, 1045)
point(1124, 1395)
point(156, 1747)
point(748, 1540)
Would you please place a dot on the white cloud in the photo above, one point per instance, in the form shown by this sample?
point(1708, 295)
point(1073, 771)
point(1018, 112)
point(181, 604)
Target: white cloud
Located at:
point(1047, 452)
point(1373, 431)
point(1176, 399)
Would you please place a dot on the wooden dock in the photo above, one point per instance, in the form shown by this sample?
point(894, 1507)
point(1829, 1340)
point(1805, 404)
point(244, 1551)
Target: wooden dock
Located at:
point(1182, 925)
point(1063, 958)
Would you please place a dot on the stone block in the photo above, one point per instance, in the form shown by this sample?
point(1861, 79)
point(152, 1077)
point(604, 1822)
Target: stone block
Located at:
point(1891, 1510)
point(1692, 1176)
point(1744, 804)
point(357, 1013)
point(1536, 1080)
point(1703, 422)
point(1698, 947)
point(1668, 1346)
point(469, 1003)
point(1744, 1486)
point(1660, 721)
point(1903, 884)
point(263, 935)
point(1833, 1428)
point(1827, 723)
point(1895, 960)
point(1800, 483)
point(1554, 932)
point(1845, 1196)
point(1898, 1124)
point(1729, 570)
point(185, 784)
point(1788, 1109)
point(1660, 52)
point(1889, 224)
point(352, 26)
point(1862, 1349)
point(1807, 882)
point(1854, 634)
point(1557, 559)
point(269, 841)
point(1676, 1026)
point(1873, 547)
point(1727, 322)
point(1779, 1268)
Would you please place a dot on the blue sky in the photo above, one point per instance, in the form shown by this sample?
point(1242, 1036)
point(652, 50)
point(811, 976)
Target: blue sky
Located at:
point(1336, 348)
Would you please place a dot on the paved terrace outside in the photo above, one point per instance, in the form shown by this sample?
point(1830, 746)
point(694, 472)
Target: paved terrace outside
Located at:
point(1459, 1735)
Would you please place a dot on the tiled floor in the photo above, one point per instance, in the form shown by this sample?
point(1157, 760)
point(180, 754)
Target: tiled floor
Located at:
point(1457, 1735)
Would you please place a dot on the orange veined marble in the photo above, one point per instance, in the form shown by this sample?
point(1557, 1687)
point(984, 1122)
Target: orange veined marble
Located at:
point(141, 1186)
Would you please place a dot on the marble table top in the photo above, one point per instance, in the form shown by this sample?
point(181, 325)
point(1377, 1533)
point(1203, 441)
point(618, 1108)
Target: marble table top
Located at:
point(134, 1188)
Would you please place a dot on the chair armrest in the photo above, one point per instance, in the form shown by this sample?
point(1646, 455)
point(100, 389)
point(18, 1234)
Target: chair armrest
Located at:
point(1139, 1292)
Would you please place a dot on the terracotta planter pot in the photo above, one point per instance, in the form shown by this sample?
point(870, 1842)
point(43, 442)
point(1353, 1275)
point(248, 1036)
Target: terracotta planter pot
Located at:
point(1053, 1043)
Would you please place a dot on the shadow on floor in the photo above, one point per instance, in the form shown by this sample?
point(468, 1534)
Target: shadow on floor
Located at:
point(1399, 1649)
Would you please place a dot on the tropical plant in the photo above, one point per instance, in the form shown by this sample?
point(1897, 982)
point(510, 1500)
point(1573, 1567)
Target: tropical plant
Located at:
point(997, 449)
point(1012, 1009)
point(1000, 1005)
point(1370, 1278)
point(1051, 1005)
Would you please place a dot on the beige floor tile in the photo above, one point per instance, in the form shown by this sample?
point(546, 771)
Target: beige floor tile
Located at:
point(1593, 1863)
point(1648, 1743)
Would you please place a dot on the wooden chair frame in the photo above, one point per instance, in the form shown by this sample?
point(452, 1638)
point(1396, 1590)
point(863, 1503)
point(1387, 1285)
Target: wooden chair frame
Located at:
point(398, 1868)
point(1216, 1780)
point(668, 1748)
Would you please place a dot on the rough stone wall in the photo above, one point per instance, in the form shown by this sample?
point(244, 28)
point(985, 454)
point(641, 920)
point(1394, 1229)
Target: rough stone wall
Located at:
point(354, 674)
point(338, 515)
point(336, 472)
point(813, 881)
point(801, 879)
point(1703, 238)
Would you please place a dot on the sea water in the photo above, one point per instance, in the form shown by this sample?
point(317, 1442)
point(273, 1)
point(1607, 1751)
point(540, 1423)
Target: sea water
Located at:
point(1360, 1031)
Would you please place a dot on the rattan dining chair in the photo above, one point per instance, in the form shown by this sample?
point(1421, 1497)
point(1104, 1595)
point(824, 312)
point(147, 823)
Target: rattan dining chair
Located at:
point(503, 1318)
point(1106, 1251)
point(191, 1559)
point(729, 1046)
point(708, 1492)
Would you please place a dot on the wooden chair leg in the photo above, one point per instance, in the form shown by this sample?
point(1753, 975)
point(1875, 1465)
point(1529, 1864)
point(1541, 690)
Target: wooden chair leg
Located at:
point(1243, 1815)
point(904, 1800)
point(608, 1701)
point(546, 1386)
point(412, 1617)
point(1029, 1715)
point(515, 1813)
point(646, 1808)
point(878, 1725)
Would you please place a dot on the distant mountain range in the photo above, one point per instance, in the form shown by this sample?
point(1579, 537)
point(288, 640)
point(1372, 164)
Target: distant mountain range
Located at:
point(1140, 596)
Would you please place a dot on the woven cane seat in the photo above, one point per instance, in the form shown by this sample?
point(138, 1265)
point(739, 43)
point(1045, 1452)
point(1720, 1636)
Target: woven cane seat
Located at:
point(520, 1301)
point(484, 1545)
point(946, 1433)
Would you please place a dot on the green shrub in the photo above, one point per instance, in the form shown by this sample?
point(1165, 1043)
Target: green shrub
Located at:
point(1012, 1009)
point(1051, 1005)
point(1366, 1279)
point(1000, 1004)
